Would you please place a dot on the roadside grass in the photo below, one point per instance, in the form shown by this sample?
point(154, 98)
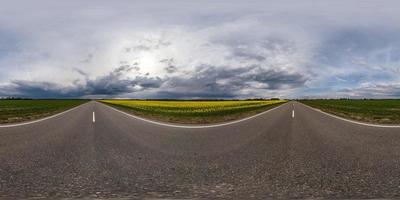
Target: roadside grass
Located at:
point(372, 111)
point(194, 112)
point(12, 111)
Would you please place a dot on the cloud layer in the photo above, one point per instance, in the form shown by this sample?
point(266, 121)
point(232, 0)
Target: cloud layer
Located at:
point(185, 49)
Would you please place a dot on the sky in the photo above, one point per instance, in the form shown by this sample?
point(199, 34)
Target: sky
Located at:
point(192, 49)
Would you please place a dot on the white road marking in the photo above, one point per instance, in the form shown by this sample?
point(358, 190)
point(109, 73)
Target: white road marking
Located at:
point(354, 122)
point(94, 117)
point(39, 120)
point(292, 113)
point(193, 126)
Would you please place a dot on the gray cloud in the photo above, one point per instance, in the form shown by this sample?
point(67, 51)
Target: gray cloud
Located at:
point(112, 84)
point(216, 82)
point(170, 68)
point(373, 91)
point(115, 84)
point(35, 89)
point(247, 55)
point(205, 82)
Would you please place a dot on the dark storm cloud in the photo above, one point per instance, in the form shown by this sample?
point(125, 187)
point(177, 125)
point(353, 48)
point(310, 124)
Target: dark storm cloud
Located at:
point(111, 84)
point(216, 82)
point(34, 89)
point(205, 82)
point(115, 84)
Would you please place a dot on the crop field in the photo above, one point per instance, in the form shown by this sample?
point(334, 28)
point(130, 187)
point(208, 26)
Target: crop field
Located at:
point(194, 112)
point(373, 111)
point(12, 111)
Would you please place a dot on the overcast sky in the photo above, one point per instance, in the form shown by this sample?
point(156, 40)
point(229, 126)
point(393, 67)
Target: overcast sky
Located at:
point(200, 49)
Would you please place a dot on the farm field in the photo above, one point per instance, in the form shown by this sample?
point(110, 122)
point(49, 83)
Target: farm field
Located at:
point(373, 111)
point(12, 111)
point(194, 112)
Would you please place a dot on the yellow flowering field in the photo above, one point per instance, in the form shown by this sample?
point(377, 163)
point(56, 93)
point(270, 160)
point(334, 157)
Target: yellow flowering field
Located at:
point(194, 111)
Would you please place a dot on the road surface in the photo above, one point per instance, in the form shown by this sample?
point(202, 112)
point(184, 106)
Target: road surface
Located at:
point(292, 151)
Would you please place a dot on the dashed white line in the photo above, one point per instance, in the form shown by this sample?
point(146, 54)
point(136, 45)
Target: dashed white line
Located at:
point(292, 113)
point(94, 117)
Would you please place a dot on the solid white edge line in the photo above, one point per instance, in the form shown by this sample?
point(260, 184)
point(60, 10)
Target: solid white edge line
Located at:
point(352, 121)
point(192, 126)
point(43, 119)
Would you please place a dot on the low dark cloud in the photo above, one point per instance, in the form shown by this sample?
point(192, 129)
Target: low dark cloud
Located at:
point(116, 84)
point(36, 89)
point(112, 84)
point(217, 82)
point(205, 82)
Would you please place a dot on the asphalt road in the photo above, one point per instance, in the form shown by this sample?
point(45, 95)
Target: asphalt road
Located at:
point(273, 155)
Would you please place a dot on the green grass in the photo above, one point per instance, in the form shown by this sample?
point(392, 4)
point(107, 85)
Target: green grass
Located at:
point(12, 111)
point(193, 112)
point(373, 111)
